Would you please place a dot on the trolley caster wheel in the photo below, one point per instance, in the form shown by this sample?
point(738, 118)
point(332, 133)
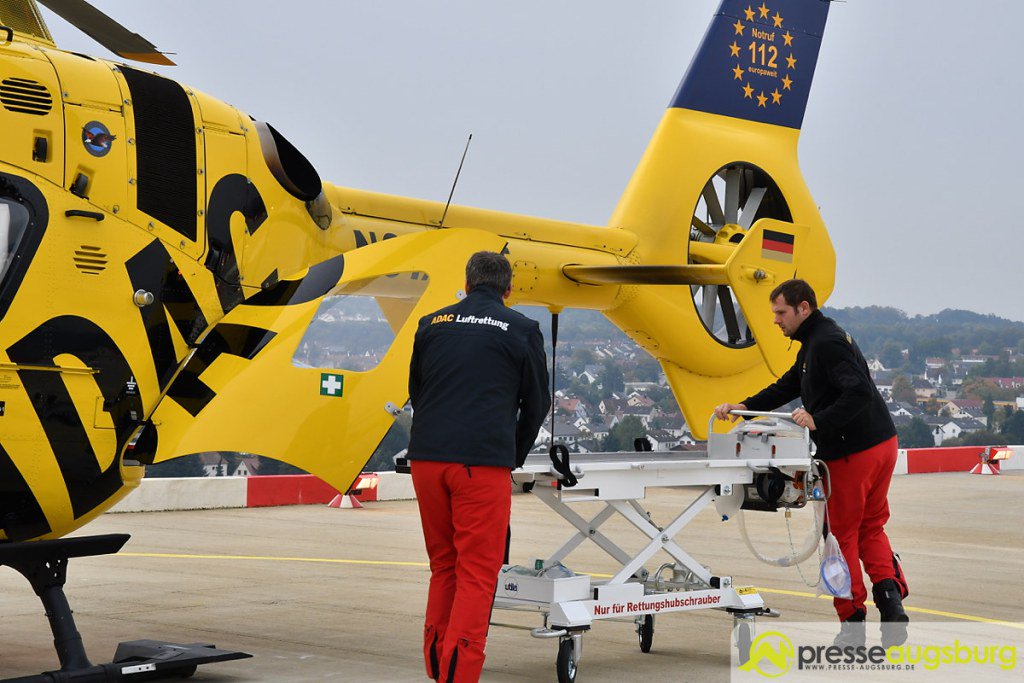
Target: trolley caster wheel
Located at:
point(566, 663)
point(645, 632)
point(744, 637)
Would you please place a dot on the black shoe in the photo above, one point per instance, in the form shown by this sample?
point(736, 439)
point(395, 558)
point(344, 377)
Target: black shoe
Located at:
point(851, 631)
point(890, 604)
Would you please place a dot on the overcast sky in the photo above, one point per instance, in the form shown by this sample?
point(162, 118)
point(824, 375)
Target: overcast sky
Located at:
point(911, 145)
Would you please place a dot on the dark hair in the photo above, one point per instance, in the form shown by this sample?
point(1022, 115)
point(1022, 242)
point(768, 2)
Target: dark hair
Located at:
point(488, 269)
point(795, 291)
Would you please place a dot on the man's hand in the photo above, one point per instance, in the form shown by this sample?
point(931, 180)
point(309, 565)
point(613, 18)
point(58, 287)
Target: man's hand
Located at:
point(804, 419)
point(722, 411)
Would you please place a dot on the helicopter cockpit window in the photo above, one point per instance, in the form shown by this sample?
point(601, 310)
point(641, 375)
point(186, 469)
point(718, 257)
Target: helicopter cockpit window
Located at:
point(14, 219)
point(355, 325)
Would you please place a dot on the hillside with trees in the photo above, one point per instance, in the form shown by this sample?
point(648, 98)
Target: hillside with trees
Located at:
point(884, 332)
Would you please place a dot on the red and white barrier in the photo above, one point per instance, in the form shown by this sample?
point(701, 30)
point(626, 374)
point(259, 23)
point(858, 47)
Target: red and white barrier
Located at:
point(207, 493)
point(950, 459)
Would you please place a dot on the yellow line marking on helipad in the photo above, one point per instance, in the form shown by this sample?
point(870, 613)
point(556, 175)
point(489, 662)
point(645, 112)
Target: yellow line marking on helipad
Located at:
point(396, 563)
point(908, 608)
point(322, 560)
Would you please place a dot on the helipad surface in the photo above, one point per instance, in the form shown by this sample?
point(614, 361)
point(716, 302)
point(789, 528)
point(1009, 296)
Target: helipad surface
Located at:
point(322, 594)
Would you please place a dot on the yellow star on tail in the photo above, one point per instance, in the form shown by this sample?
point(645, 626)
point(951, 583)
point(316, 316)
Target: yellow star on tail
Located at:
point(762, 100)
point(764, 10)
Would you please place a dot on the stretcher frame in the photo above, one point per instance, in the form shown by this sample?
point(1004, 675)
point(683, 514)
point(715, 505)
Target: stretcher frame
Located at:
point(620, 481)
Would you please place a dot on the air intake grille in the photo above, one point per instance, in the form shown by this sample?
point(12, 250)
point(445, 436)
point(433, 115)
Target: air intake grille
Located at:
point(90, 260)
point(25, 96)
point(165, 134)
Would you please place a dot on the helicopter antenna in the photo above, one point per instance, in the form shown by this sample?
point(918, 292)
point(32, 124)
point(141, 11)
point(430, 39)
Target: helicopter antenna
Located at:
point(456, 182)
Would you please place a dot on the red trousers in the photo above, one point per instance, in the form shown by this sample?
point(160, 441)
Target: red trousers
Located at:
point(858, 509)
point(464, 510)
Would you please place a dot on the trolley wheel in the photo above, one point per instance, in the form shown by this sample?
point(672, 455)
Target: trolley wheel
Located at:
point(566, 663)
point(645, 632)
point(743, 641)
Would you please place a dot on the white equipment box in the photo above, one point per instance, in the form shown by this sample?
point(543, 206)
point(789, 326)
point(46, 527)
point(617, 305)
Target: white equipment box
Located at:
point(541, 589)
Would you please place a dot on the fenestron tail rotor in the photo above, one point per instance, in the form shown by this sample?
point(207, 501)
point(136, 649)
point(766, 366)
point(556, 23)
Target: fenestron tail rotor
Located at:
point(729, 203)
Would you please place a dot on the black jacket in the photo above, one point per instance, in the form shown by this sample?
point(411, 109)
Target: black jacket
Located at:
point(478, 383)
point(832, 378)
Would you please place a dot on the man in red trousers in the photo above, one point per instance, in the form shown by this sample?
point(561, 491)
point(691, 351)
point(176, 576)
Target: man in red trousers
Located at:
point(855, 435)
point(478, 386)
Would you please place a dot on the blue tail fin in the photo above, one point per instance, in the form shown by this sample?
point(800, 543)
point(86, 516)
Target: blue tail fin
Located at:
point(757, 61)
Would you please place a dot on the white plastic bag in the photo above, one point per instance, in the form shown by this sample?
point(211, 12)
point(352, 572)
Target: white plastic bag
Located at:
point(834, 572)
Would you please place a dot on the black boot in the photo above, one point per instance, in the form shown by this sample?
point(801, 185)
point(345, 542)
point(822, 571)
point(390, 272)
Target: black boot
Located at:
point(890, 604)
point(851, 631)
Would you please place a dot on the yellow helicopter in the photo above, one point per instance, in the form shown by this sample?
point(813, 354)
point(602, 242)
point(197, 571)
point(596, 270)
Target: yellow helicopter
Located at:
point(162, 256)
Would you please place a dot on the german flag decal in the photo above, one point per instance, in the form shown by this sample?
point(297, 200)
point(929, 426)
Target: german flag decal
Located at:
point(777, 246)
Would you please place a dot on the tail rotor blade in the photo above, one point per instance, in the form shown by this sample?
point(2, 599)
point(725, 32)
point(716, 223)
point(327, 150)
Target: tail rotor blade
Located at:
point(702, 227)
point(714, 206)
point(733, 179)
point(751, 206)
point(707, 306)
point(732, 325)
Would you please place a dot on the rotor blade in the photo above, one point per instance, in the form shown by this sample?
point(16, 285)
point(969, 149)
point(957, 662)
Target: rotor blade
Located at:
point(702, 226)
point(106, 31)
point(733, 178)
point(714, 206)
point(752, 205)
point(646, 275)
point(707, 306)
point(732, 326)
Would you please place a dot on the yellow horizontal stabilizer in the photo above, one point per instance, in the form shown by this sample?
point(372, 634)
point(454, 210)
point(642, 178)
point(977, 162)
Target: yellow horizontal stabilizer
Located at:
point(647, 275)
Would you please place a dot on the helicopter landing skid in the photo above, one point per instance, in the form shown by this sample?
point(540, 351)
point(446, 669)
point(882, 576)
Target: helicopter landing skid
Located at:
point(44, 564)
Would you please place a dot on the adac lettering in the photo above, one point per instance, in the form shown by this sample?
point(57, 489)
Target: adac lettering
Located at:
point(488, 320)
point(443, 318)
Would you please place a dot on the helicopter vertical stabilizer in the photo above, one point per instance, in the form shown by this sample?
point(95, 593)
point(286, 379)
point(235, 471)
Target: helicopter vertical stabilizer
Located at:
point(723, 158)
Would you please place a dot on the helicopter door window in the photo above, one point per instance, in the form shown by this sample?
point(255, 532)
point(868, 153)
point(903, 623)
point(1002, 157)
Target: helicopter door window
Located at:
point(356, 324)
point(14, 220)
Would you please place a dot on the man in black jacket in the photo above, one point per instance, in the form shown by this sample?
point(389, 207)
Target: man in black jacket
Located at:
point(854, 433)
point(478, 384)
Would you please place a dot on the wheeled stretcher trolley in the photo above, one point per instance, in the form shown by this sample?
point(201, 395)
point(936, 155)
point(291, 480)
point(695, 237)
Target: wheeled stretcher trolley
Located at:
point(763, 465)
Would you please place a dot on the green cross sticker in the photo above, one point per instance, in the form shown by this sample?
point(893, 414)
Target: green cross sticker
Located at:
point(330, 385)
